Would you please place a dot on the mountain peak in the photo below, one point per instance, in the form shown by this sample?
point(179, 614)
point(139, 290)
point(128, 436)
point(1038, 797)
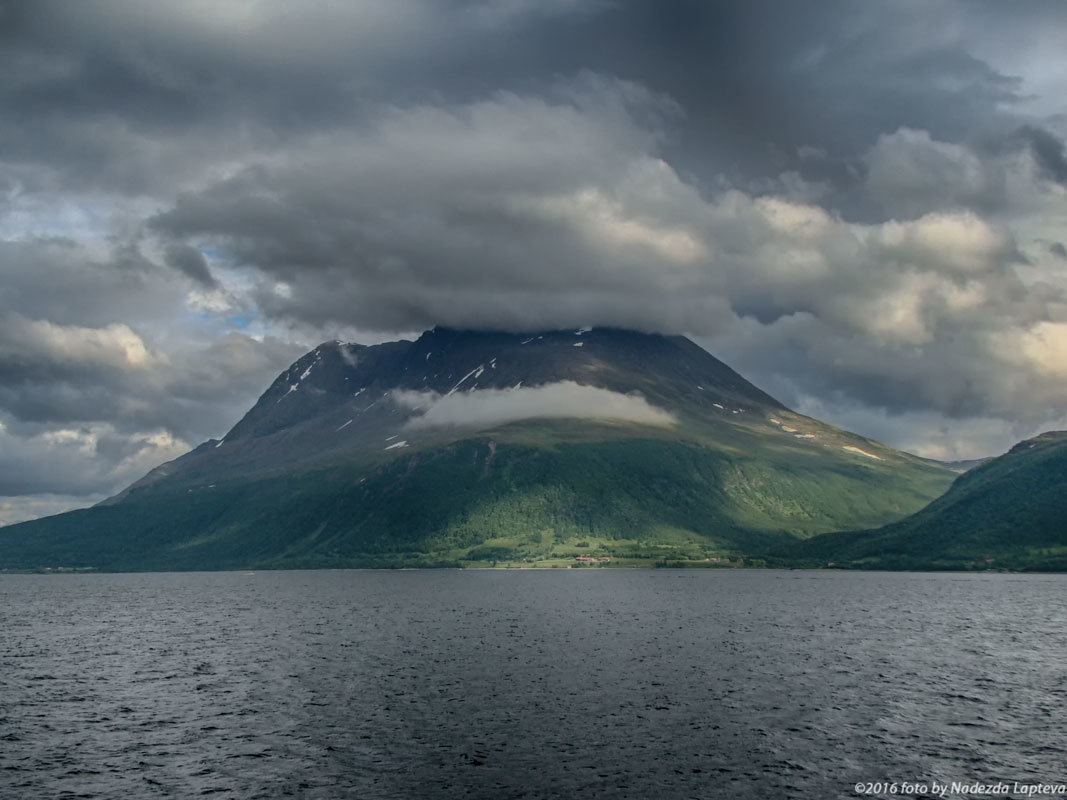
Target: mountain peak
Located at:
point(1041, 440)
point(669, 371)
point(341, 399)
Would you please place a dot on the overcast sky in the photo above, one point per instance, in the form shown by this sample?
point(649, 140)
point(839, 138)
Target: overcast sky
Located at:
point(860, 206)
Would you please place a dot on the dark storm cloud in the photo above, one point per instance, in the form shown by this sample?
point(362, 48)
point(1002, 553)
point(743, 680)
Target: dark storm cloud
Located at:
point(190, 261)
point(1048, 150)
point(909, 173)
point(759, 80)
point(97, 85)
point(69, 283)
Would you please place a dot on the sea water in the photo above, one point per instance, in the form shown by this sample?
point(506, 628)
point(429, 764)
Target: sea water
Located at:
point(581, 683)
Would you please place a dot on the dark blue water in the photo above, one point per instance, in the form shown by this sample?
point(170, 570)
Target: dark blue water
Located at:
point(577, 683)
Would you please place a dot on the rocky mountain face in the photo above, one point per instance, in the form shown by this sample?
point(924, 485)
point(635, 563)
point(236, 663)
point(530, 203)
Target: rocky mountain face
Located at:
point(343, 400)
point(464, 446)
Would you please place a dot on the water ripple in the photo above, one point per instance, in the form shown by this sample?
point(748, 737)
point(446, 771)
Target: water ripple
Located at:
point(606, 684)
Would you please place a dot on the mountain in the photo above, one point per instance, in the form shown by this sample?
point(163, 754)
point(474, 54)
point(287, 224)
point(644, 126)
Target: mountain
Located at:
point(958, 466)
point(1010, 513)
point(468, 447)
point(340, 400)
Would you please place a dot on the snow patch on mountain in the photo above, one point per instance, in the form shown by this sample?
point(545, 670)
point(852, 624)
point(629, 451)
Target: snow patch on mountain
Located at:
point(856, 450)
point(476, 372)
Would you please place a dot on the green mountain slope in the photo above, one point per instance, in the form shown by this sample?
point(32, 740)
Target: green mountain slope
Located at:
point(473, 500)
point(1010, 512)
point(336, 466)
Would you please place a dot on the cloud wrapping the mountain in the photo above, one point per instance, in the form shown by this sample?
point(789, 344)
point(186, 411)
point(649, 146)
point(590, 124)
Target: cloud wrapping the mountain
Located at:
point(484, 408)
point(469, 227)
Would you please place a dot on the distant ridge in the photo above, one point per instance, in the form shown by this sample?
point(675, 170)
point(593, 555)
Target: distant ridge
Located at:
point(1008, 513)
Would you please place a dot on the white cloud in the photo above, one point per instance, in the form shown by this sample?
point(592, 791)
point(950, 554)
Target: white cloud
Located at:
point(211, 301)
point(607, 225)
point(87, 459)
point(111, 346)
point(956, 242)
point(563, 400)
point(1043, 347)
